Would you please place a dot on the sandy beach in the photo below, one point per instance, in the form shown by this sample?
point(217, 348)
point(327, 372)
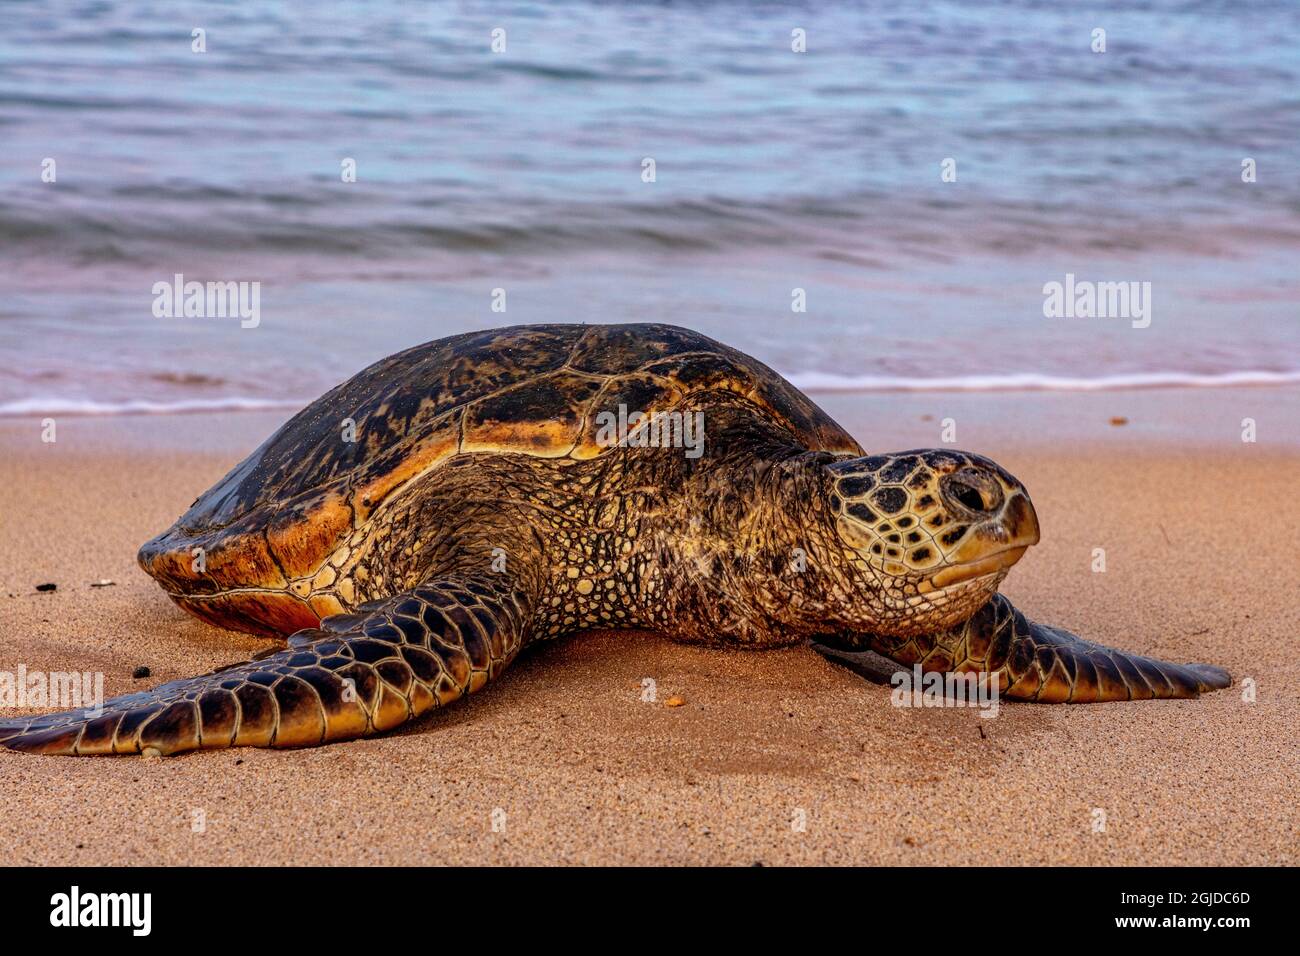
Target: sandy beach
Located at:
point(1201, 543)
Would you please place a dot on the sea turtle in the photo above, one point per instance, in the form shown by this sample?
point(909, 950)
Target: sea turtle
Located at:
point(416, 527)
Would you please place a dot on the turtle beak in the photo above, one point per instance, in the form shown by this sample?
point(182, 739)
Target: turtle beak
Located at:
point(1019, 521)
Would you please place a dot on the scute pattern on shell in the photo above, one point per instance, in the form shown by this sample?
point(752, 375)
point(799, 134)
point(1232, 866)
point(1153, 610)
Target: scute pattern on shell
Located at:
point(524, 390)
point(531, 390)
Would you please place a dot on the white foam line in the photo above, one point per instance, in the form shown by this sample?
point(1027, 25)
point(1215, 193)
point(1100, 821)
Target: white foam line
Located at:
point(832, 382)
point(808, 381)
point(75, 406)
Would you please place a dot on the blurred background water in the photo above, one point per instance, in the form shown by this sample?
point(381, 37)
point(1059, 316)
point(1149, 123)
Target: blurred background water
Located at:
point(522, 170)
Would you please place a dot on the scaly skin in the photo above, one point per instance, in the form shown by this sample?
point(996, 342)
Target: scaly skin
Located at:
point(777, 535)
point(355, 676)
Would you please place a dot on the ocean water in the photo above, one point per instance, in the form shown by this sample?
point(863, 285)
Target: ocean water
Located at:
point(522, 170)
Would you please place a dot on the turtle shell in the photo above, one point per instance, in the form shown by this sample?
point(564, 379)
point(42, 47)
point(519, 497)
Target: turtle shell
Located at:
point(531, 390)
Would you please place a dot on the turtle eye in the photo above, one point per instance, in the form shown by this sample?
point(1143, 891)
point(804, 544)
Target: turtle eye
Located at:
point(967, 495)
point(972, 492)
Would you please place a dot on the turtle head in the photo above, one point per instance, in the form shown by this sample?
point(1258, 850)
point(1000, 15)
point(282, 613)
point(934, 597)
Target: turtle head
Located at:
point(930, 535)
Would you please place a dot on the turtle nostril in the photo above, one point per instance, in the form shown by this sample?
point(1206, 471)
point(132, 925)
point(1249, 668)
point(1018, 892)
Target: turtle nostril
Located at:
point(970, 497)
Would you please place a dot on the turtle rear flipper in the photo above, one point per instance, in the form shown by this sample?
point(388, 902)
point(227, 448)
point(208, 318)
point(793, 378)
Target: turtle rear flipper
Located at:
point(1035, 662)
point(355, 675)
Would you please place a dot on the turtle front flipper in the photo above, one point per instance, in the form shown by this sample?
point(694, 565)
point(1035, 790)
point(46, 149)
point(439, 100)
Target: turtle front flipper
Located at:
point(1038, 663)
point(355, 675)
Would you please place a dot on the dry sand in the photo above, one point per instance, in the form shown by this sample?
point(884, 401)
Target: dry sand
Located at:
point(1201, 552)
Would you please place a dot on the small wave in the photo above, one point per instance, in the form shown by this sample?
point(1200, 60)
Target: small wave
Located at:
point(808, 381)
point(1032, 382)
point(79, 406)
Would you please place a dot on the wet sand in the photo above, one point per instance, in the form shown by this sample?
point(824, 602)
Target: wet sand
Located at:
point(1201, 552)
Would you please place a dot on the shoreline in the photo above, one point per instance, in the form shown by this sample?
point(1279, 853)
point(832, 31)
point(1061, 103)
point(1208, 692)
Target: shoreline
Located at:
point(813, 384)
point(1206, 418)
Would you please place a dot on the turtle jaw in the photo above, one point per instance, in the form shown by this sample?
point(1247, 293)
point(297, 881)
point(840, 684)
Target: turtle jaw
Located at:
point(992, 547)
point(997, 563)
